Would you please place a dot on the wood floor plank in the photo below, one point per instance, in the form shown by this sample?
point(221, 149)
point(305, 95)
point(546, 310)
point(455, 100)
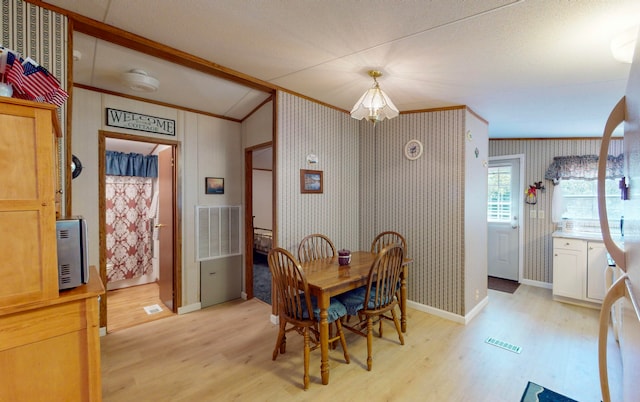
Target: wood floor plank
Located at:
point(125, 307)
point(223, 353)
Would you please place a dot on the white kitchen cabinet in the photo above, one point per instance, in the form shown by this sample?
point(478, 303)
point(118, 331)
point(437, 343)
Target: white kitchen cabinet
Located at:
point(578, 270)
point(569, 267)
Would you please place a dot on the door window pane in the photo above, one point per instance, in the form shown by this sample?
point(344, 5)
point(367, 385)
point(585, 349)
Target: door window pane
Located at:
point(499, 203)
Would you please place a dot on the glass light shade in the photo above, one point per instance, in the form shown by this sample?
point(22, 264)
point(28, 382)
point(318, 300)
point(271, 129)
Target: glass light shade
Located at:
point(375, 106)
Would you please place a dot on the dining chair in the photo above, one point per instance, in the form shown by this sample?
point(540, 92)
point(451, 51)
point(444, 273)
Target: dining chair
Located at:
point(298, 309)
point(314, 247)
point(378, 298)
point(386, 238)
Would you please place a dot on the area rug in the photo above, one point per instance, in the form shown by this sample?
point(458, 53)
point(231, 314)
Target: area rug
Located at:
point(261, 279)
point(503, 285)
point(538, 393)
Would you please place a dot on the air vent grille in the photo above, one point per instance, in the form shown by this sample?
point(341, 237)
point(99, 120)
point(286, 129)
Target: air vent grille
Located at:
point(503, 345)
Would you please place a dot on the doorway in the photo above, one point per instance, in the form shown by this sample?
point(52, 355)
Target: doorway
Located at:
point(258, 219)
point(505, 175)
point(139, 259)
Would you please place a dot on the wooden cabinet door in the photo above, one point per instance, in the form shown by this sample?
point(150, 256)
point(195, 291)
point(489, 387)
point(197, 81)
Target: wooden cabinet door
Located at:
point(28, 266)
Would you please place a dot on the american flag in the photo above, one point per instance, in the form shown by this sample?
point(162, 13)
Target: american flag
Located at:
point(13, 71)
point(31, 81)
point(36, 81)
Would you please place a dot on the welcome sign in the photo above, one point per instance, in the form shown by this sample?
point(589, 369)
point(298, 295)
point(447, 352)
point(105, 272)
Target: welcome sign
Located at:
point(140, 122)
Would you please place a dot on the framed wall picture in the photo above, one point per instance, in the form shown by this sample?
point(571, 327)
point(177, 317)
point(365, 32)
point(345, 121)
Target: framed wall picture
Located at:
point(310, 181)
point(213, 185)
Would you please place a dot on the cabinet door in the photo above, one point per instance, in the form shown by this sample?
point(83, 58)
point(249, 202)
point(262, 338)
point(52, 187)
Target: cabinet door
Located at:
point(28, 266)
point(220, 280)
point(596, 265)
point(569, 269)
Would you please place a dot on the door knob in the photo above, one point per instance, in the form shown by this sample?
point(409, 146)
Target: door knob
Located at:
point(159, 225)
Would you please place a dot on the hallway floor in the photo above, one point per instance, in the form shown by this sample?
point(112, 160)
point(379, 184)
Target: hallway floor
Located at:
point(125, 307)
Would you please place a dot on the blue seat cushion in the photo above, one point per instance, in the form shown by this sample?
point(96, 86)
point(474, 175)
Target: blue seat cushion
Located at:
point(353, 300)
point(336, 309)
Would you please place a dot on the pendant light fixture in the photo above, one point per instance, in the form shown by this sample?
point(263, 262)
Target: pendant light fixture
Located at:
point(374, 105)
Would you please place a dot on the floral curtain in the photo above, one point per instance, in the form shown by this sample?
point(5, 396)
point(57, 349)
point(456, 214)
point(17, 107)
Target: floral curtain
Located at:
point(583, 167)
point(128, 201)
point(121, 164)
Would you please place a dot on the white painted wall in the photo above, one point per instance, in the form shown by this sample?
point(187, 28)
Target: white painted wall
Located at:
point(206, 144)
point(262, 198)
point(475, 216)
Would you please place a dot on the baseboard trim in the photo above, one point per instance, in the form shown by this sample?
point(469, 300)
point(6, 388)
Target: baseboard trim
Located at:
point(537, 284)
point(190, 308)
point(476, 310)
point(464, 320)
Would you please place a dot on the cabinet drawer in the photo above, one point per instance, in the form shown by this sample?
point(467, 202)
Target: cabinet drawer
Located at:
point(569, 244)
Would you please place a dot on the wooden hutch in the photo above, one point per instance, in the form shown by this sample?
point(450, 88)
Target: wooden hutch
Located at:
point(49, 339)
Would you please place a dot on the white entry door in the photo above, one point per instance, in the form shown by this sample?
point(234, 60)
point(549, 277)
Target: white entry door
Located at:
point(504, 218)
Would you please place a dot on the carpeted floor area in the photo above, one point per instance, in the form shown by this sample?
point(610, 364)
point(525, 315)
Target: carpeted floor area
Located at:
point(538, 393)
point(503, 285)
point(261, 278)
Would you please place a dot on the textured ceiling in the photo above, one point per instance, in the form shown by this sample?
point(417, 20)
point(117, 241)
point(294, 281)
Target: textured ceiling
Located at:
point(531, 68)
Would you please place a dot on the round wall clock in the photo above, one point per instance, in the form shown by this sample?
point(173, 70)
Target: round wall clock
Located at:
point(76, 167)
point(413, 149)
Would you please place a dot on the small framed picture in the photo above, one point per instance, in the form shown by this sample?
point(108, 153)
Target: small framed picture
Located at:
point(213, 185)
point(310, 181)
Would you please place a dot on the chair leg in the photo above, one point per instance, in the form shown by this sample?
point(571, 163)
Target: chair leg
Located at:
point(306, 358)
point(280, 342)
point(397, 323)
point(369, 342)
point(333, 344)
point(343, 341)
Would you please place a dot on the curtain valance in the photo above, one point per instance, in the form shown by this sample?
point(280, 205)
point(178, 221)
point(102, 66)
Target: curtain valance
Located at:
point(121, 164)
point(583, 167)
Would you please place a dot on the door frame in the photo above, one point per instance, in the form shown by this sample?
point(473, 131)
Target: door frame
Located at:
point(521, 161)
point(177, 233)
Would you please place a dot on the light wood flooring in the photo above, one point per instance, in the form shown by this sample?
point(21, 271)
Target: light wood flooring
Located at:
point(223, 353)
point(125, 307)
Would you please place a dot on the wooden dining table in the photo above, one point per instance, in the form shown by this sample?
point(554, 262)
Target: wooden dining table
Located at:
point(326, 278)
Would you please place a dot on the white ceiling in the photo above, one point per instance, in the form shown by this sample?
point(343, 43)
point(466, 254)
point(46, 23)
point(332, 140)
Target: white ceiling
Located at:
point(539, 68)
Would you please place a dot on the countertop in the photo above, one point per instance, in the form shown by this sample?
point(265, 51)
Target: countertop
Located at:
point(591, 236)
point(579, 235)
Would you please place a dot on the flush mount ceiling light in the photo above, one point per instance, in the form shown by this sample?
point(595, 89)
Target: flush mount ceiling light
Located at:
point(374, 105)
point(139, 80)
point(623, 45)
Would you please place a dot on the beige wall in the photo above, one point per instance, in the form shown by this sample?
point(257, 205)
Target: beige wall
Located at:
point(475, 219)
point(205, 144)
point(306, 127)
point(425, 200)
point(258, 128)
point(539, 153)
point(371, 187)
